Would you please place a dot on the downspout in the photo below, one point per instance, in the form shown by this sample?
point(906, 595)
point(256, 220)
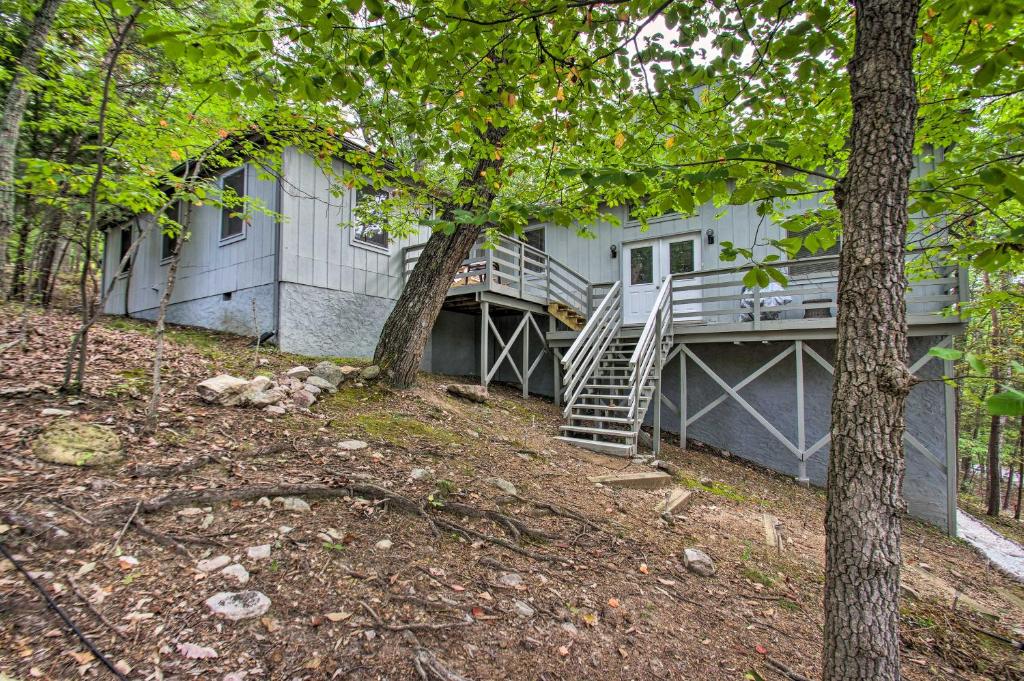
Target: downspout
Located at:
point(279, 200)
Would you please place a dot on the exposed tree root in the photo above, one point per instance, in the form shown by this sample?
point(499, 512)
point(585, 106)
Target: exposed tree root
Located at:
point(513, 526)
point(141, 470)
point(43, 530)
point(427, 664)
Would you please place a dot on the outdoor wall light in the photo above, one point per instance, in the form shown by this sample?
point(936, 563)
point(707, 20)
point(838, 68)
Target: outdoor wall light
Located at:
point(711, 236)
point(615, 251)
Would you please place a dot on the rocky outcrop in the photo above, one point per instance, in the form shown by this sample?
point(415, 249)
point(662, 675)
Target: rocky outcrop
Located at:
point(467, 391)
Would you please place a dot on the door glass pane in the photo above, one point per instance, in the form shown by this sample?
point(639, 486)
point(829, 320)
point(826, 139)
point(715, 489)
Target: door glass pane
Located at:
point(680, 257)
point(641, 265)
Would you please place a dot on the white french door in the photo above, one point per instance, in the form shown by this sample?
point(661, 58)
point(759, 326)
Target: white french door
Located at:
point(646, 264)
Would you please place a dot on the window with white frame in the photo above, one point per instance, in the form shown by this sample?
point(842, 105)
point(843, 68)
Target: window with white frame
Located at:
point(232, 220)
point(370, 218)
point(169, 242)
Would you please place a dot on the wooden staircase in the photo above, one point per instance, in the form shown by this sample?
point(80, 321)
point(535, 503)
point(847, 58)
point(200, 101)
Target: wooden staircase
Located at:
point(567, 315)
point(602, 417)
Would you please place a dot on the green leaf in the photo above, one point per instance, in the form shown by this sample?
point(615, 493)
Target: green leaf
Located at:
point(985, 73)
point(946, 353)
point(1008, 403)
point(977, 366)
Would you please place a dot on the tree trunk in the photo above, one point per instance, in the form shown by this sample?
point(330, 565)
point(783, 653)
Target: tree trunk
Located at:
point(14, 111)
point(1020, 467)
point(1009, 486)
point(407, 329)
point(865, 471)
point(161, 321)
point(995, 431)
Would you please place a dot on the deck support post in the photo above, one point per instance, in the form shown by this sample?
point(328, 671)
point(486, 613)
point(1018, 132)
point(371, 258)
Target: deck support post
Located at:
point(951, 448)
point(485, 323)
point(656, 440)
point(527, 317)
point(801, 435)
point(682, 396)
point(557, 354)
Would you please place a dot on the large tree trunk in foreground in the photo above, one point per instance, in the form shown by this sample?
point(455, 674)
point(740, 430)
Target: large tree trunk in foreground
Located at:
point(865, 472)
point(407, 329)
point(14, 111)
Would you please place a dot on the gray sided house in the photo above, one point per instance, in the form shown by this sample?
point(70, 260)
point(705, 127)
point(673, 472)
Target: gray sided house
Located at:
point(631, 329)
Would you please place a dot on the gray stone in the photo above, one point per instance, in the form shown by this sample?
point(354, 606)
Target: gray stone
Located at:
point(238, 606)
point(384, 544)
point(645, 440)
point(352, 445)
point(370, 373)
point(349, 371)
point(77, 444)
point(320, 384)
point(260, 383)
point(504, 485)
point(261, 552)
point(299, 373)
point(419, 473)
point(56, 412)
point(264, 398)
point(276, 409)
point(236, 572)
point(211, 564)
point(329, 372)
point(303, 398)
point(469, 391)
point(569, 628)
point(311, 389)
point(699, 562)
point(523, 609)
point(223, 389)
point(512, 579)
point(292, 504)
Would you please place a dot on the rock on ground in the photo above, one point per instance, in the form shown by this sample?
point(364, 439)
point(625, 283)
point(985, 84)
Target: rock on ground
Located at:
point(51, 411)
point(299, 373)
point(292, 504)
point(77, 444)
point(468, 391)
point(352, 445)
point(238, 606)
point(211, 564)
point(321, 384)
point(261, 552)
point(370, 373)
point(699, 562)
point(329, 372)
point(223, 389)
point(504, 485)
point(236, 572)
point(303, 398)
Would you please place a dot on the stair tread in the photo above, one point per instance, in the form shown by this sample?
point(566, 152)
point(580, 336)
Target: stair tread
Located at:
point(598, 431)
point(598, 417)
point(613, 448)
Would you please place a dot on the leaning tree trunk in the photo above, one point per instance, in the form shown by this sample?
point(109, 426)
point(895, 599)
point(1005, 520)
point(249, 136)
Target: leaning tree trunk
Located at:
point(14, 111)
point(865, 472)
point(1020, 467)
point(407, 329)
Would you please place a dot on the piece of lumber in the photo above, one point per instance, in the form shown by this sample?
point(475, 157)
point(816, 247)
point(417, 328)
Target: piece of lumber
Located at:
point(646, 480)
point(676, 500)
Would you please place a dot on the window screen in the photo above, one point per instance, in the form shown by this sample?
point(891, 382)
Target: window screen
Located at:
point(814, 267)
point(680, 257)
point(126, 242)
point(168, 242)
point(535, 237)
point(231, 221)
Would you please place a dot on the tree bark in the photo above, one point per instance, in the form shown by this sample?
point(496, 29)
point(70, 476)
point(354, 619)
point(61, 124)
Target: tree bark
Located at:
point(865, 472)
point(995, 430)
point(14, 111)
point(407, 329)
point(1020, 466)
point(1009, 486)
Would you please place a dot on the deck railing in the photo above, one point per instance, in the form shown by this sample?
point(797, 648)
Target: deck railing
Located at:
point(586, 351)
point(718, 296)
point(515, 268)
point(652, 346)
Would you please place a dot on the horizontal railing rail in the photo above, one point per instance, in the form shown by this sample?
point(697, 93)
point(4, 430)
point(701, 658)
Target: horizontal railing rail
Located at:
point(651, 347)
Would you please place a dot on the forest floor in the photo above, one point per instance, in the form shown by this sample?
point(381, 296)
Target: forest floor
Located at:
point(1004, 524)
point(562, 580)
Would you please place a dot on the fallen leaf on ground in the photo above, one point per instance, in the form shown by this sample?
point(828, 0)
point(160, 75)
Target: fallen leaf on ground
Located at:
point(194, 652)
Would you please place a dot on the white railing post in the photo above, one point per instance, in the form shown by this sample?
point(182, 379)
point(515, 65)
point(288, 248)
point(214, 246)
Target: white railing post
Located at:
point(656, 440)
point(757, 306)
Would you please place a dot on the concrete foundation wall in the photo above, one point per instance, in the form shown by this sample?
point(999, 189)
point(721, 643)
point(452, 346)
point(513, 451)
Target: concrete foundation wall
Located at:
point(214, 312)
point(323, 322)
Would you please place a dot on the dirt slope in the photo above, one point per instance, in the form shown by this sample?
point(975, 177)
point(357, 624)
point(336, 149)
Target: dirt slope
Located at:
point(564, 580)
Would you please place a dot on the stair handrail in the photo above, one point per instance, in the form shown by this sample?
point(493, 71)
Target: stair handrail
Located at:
point(650, 349)
point(586, 351)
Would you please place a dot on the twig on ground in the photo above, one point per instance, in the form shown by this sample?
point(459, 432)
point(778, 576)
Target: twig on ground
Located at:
point(63, 615)
point(38, 528)
point(784, 670)
point(89, 606)
point(124, 529)
point(147, 471)
point(427, 665)
point(161, 538)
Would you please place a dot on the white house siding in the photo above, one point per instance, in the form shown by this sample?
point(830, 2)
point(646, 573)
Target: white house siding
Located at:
point(208, 270)
point(335, 294)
